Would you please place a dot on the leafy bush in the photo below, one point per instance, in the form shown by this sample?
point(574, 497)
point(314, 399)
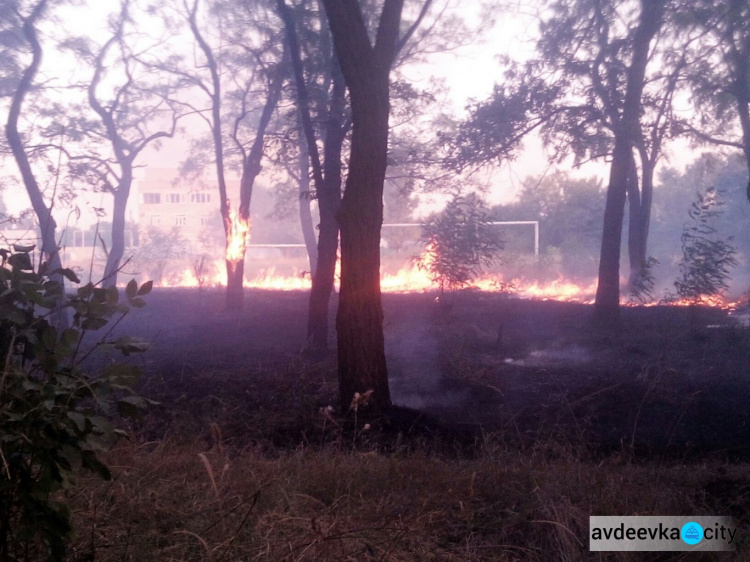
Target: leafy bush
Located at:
point(643, 286)
point(706, 258)
point(460, 243)
point(54, 417)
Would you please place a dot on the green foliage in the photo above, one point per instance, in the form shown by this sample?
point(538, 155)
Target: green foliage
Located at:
point(54, 417)
point(643, 286)
point(569, 211)
point(460, 243)
point(706, 257)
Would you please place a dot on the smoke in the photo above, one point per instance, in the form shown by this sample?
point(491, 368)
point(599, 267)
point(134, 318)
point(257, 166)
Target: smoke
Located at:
point(415, 358)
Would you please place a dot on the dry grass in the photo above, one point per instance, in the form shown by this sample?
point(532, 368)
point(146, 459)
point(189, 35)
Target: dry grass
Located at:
point(180, 502)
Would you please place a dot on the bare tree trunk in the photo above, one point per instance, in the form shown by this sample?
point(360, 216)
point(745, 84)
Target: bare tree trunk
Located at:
point(359, 323)
point(117, 250)
point(607, 304)
point(627, 131)
point(305, 214)
point(327, 179)
point(635, 255)
point(47, 223)
point(329, 201)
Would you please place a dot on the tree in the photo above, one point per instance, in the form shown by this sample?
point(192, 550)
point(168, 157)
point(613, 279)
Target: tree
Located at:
point(247, 61)
point(569, 212)
point(590, 94)
point(706, 257)
point(359, 323)
point(158, 249)
point(719, 77)
point(17, 145)
point(326, 172)
point(128, 121)
point(460, 242)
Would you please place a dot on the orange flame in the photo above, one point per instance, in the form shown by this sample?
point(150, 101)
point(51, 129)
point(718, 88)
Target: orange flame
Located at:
point(238, 237)
point(411, 278)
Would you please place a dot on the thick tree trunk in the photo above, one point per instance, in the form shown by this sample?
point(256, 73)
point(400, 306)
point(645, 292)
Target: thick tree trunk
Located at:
point(235, 296)
point(627, 130)
point(607, 306)
point(359, 322)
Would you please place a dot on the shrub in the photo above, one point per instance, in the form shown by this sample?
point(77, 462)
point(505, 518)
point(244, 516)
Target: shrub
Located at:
point(706, 258)
point(54, 417)
point(460, 243)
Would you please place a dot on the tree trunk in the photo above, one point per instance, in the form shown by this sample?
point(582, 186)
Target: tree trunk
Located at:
point(329, 201)
point(305, 214)
point(327, 179)
point(47, 223)
point(235, 296)
point(627, 130)
point(117, 250)
point(635, 246)
point(238, 232)
point(607, 304)
point(359, 322)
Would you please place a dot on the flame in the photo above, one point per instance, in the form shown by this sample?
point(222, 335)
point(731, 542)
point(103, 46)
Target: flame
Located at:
point(411, 278)
point(238, 237)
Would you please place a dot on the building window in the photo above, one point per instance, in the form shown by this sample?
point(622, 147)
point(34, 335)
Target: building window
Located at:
point(200, 197)
point(151, 198)
point(173, 197)
point(180, 220)
point(205, 219)
point(154, 220)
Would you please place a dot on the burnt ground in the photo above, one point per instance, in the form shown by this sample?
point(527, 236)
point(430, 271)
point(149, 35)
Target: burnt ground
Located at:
point(674, 381)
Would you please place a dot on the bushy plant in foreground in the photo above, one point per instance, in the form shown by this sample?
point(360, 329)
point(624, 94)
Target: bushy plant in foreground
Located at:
point(54, 416)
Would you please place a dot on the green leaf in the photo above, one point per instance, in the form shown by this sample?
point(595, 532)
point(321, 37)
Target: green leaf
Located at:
point(138, 302)
point(21, 261)
point(145, 288)
point(131, 406)
point(79, 419)
point(69, 274)
point(131, 289)
point(125, 375)
point(70, 337)
point(86, 291)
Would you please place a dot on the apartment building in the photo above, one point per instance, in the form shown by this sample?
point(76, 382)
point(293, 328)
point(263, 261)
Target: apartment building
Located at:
point(165, 201)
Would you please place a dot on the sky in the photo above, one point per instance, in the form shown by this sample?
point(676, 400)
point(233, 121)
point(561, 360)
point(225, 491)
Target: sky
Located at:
point(469, 72)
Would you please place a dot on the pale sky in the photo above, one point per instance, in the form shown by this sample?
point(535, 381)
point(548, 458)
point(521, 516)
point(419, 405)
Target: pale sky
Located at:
point(469, 72)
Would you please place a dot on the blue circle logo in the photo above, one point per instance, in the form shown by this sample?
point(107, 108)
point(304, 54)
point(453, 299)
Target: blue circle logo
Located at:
point(691, 533)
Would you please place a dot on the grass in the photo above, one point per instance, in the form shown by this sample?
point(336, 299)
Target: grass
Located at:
point(177, 501)
point(243, 464)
